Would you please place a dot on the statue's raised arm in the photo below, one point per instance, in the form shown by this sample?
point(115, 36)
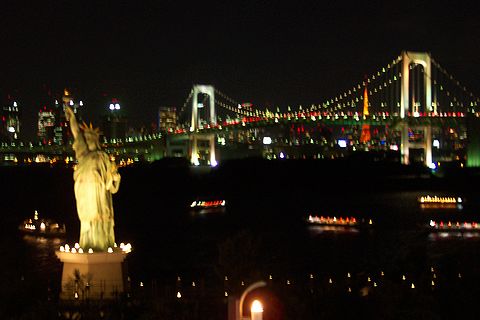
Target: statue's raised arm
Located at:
point(70, 116)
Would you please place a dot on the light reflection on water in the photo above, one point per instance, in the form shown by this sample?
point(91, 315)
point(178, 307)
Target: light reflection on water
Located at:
point(315, 230)
point(42, 251)
point(442, 236)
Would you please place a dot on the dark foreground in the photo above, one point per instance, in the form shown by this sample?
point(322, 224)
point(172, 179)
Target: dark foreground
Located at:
point(261, 235)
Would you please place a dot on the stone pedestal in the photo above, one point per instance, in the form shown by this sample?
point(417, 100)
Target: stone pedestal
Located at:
point(99, 275)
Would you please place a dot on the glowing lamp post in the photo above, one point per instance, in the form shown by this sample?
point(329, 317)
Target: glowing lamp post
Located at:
point(257, 310)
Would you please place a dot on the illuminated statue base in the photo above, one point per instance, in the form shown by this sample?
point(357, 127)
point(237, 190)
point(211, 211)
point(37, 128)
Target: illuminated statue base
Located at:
point(93, 276)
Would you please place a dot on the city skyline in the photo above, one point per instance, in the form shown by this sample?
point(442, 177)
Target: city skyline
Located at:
point(271, 55)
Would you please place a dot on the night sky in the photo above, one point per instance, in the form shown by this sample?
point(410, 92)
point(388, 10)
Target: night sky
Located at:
point(150, 54)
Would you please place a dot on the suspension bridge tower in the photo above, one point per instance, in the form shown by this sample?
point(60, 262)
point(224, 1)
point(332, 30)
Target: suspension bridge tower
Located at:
point(365, 135)
point(202, 145)
point(424, 59)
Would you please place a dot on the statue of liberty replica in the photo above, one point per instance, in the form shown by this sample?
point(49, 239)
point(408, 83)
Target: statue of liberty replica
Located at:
point(96, 179)
point(93, 268)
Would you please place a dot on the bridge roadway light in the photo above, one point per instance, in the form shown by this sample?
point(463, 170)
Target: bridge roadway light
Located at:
point(342, 143)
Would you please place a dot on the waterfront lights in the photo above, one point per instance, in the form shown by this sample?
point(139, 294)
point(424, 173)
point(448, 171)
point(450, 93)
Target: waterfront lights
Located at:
point(394, 147)
point(30, 226)
point(257, 310)
point(195, 159)
point(342, 143)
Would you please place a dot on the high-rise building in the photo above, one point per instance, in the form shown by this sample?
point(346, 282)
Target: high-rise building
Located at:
point(46, 125)
point(114, 124)
point(10, 126)
point(167, 119)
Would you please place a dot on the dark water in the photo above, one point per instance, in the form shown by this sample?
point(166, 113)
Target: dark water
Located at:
point(262, 233)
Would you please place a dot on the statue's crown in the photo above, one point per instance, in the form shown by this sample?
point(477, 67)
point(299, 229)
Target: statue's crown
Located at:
point(90, 129)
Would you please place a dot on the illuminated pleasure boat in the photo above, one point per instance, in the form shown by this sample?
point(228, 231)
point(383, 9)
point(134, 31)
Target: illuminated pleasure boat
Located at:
point(207, 206)
point(320, 224)
point(42, 227)
point(454, 225)
point(436, 202)
point(333, 221)
point(455, 229)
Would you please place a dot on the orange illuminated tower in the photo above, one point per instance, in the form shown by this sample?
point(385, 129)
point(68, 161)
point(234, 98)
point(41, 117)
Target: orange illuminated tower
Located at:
point(365, 135)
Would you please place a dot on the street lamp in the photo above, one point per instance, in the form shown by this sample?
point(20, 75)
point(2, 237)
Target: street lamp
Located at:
point(257, 310)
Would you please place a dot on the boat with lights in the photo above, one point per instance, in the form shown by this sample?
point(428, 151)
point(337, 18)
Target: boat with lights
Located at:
point(447, 229)
point(208, 206)
point(454, 225)
point(333, 221)
point(440, 202)
point(42, 227)
point(341, 224)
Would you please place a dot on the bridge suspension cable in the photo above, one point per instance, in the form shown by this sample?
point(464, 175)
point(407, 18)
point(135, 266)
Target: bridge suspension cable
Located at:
point(457, 89)
point(384, 91)
point(234, 106)
point(377, 83)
